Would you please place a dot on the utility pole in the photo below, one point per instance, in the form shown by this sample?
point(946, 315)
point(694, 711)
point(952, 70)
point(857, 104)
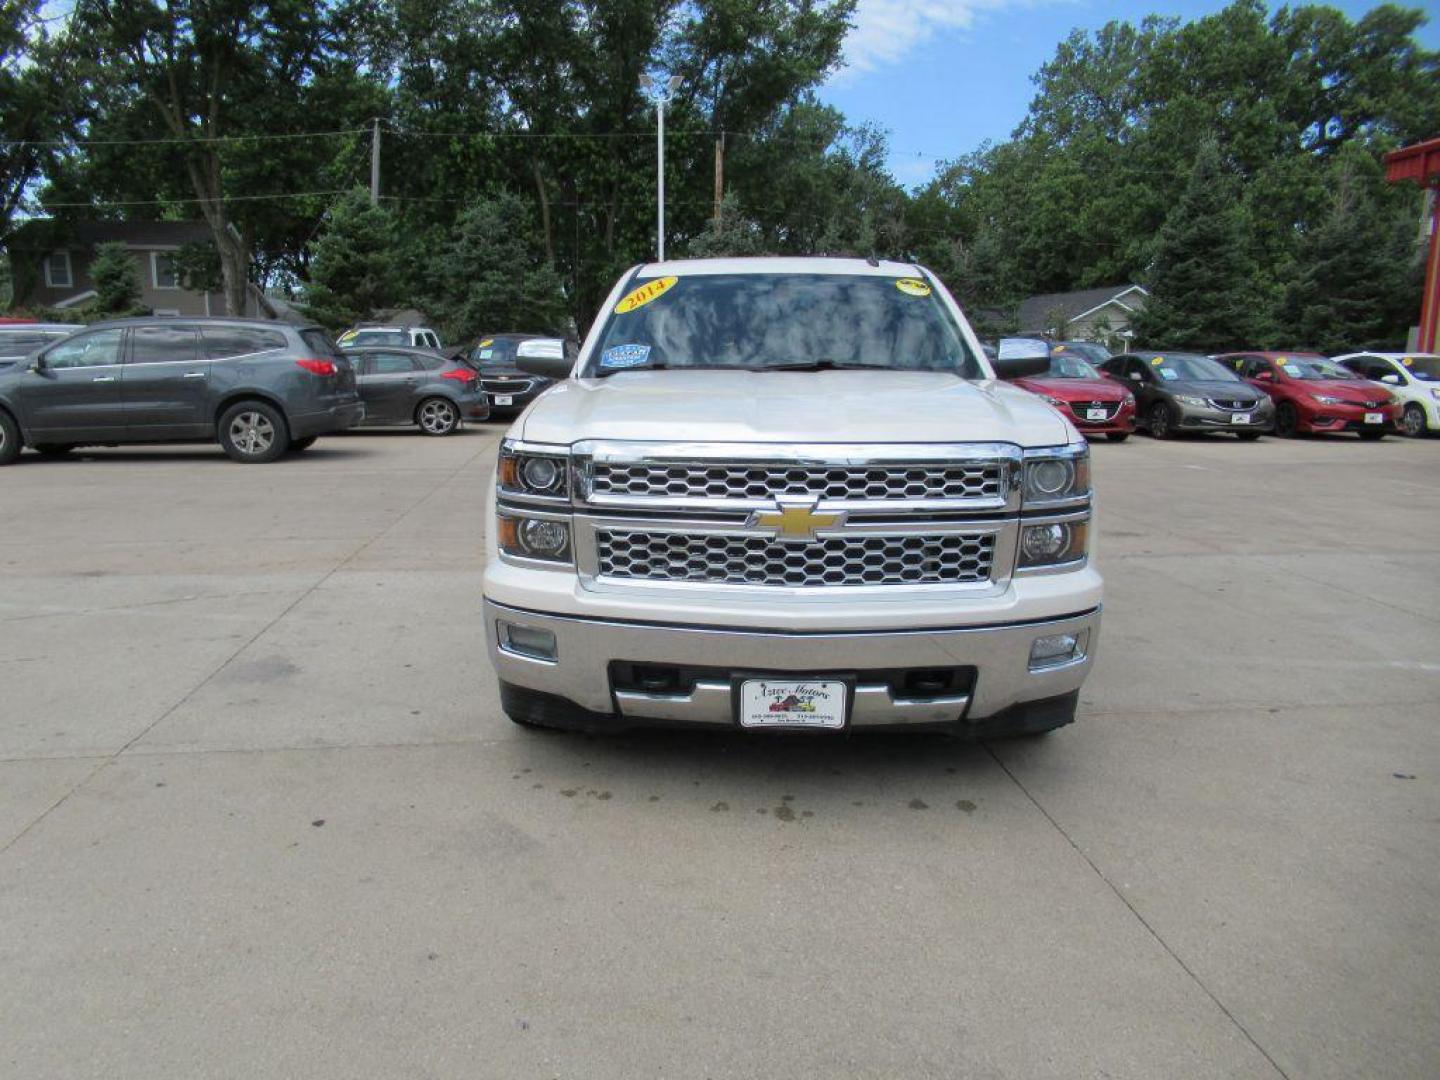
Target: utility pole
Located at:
point(375, 163)
point(662, 98)
point(719, 175)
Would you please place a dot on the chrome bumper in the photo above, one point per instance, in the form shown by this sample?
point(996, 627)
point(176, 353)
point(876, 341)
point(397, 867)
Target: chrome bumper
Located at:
point(580, 673)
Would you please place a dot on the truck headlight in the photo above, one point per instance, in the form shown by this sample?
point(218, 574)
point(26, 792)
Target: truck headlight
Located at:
point(1053, 543)
point(526, 470)
point(1057, 476)
point(544, 538)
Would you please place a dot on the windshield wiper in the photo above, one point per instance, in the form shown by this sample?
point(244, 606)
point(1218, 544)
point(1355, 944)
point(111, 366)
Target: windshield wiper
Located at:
point(822, 365)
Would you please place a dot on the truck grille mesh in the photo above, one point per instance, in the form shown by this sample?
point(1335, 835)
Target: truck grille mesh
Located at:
point(761, 560)
point(690, 480)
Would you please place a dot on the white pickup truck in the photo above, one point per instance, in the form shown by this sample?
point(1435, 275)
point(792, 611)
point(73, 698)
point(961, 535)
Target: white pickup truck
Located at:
point(790, 494)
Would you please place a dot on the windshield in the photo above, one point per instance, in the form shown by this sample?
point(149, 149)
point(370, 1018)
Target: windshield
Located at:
point(1069, 366)
point(1424, 368)
point(1087, 350)
point(1314, 369)
point(1181, 367)
point(782, 321)
point(493, 352)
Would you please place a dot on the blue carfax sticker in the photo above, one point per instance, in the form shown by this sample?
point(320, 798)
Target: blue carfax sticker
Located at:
point(623, 356)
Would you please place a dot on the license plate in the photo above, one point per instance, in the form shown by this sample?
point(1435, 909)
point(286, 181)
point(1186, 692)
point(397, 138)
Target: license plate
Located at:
point(792, 703)
point(504, 399)
point(1095, 414)
point(1240, 418)
point(1374, 418)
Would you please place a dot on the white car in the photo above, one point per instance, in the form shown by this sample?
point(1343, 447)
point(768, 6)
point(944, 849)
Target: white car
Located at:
point(417, 337)
point(790, 494)
point(1414, 379)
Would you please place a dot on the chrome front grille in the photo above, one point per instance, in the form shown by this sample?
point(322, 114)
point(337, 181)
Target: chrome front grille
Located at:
point(1234, 404)
point(748, 559)
point(870, 483)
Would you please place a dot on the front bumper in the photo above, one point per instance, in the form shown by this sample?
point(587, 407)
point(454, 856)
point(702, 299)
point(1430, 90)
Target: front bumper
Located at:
point(1332, 418)
point(587, 650)
point(335, 418)
point(1197, 418)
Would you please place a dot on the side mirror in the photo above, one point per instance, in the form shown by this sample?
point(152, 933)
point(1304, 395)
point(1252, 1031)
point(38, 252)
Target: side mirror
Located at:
point(1134, 376)
point(1390, 380)
point(1021, 357)
point(1264, 376)
point(37, 365)
point(550, 367)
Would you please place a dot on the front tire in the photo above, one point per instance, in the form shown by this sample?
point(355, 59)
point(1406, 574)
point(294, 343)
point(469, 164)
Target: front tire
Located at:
point(9, 438)
point(1412, 423)
point(253, 433)
point(1287, 421)
point(1162, 425)
point(437, 416)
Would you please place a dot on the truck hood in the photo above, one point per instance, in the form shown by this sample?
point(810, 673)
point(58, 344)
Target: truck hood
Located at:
point(789, 407)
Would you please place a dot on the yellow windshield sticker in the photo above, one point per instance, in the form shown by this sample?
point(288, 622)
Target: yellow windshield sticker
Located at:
point(346, 337)
point(651, 290)
point(912, 286)
point(1058, 349)
point(1157, 361)
point(1409, 361)
point(487, 342)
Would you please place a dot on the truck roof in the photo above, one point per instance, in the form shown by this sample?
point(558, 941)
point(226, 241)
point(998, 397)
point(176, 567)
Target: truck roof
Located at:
point(778, 264)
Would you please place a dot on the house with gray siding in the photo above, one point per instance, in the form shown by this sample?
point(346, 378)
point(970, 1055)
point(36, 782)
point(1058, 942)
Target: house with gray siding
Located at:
point(50, 264)
point(1101, 314)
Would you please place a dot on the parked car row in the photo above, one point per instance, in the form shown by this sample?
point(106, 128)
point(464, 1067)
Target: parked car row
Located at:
point(260, 389)
point(1246, 394)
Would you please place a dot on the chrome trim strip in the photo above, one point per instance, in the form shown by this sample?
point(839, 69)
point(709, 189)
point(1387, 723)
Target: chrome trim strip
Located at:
point(1005, 456)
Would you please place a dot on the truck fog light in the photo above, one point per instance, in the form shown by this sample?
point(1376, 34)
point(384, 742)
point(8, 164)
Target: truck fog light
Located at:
point(543, 538)
point(527, 641)
point(1052, 650)
point(1044, 543)
point(540, 473)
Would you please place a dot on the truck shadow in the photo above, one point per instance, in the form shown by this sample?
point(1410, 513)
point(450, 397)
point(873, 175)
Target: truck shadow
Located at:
point(788, 777)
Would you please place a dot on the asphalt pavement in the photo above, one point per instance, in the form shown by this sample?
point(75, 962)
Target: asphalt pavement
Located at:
point(261, 816)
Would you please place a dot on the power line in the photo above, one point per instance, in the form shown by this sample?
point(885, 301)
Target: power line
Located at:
point(174, 140)
point(167, 202)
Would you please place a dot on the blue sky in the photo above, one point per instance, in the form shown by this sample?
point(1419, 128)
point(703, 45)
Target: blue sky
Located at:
point(942, 76)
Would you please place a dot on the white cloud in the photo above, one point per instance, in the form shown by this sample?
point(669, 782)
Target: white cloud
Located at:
point(885, 30)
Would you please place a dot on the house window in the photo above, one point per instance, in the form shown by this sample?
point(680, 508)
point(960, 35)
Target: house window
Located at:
point(57, 270)
point(164, 273)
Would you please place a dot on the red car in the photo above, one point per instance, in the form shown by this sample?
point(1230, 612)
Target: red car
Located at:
point(1313, 394)
point(1094, 404)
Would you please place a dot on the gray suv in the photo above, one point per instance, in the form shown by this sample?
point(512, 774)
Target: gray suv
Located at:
point(260, 389)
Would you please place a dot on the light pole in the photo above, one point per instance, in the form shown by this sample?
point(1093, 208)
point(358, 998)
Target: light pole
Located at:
point(662, 97)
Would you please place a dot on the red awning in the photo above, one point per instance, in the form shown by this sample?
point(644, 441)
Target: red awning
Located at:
point(1418, 164)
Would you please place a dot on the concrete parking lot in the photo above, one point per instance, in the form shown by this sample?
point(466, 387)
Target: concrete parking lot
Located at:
point(260, 814)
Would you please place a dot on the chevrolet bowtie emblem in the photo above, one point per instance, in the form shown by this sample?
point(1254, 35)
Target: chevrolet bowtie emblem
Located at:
point(794, 521)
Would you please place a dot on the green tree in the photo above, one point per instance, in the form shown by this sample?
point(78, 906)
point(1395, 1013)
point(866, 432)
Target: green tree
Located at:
point(198, 73)
point(1202, 280)
point(38, 98)
point(492, 274)
point(730, 235)
point(117, 282)
point(356, 264)
point(1356, 284)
